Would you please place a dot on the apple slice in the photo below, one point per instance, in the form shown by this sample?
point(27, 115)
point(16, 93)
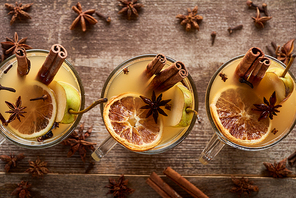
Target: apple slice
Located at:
point(179, 115)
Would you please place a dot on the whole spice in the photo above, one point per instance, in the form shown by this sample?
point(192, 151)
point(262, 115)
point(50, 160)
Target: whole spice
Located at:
point(7, 69)
point(231, 29)
point(243, 186)
point(37, 168)
point(106, 18)
point(78, 143)
point(213, 36)
point(285, 52)
point(23, 63)
point(269, 108)
point(154, 106)
point(223, 76)
point(119, 188)
point(260, 21)
point(7, 88)
point(292, 159)
point(15, 110)
point(22, 190)
point(83, 17)
point(250, 4)
point(274, 131)
point(43, 97)
point(125, 70)
point(11, 160)
point(129, 7)
point(18, 11)
point(277, 170)
point(264, 7)
point(191, 19)
point(10, 46)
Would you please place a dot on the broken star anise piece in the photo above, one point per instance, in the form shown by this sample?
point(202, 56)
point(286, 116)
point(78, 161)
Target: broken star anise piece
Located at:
point(11, 160)
point(78, 143)
point(129, 7)
point(191, 19)
point(22, 190)
point(285, 54)
point(260, 21)
point(37, 168)
point(243, 186)
point(15, 110)
point(154, 106)
point(10, 46)
point(119, 189)
point(277, 170)
point(18, 11)
point(269, 108)
point(223, 76)
point(83, 17)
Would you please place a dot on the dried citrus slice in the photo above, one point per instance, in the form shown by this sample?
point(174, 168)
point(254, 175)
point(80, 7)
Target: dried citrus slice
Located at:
point(127, 123)
point(40, 114)
point(232, 112)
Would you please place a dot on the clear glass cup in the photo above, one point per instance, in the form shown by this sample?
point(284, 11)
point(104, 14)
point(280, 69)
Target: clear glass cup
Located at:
point(109, 142)
point(218, 140)
point(5, 133)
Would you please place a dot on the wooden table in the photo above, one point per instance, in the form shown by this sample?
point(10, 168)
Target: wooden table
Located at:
point(96, 52)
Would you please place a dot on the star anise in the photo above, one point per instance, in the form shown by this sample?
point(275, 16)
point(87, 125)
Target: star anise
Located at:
point(15, 110)
point(119, 189)
point(129, 7)
point(223, 76)
point(243, 186)
point(37, 168)
point(83, 17)
point(260, 21)
point(154, 106)
point(285, 54)
point(18, 11)
point(277, 170)
point(11, 160)
point(22, 190)
point(191, 19)
point(78, 143)
point(10, 46)
point(267, 109)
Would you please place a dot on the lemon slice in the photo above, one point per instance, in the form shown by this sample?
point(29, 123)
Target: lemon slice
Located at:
point(127, 123)
point(40, 114)
point(232, 112)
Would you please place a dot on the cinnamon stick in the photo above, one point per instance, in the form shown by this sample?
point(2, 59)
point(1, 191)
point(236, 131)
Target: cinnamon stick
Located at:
point(52, 64)
point(168, 77)
point(23, 63)
point(155, 66)
point(184, 183)
point(162, 188)
point(259, 71)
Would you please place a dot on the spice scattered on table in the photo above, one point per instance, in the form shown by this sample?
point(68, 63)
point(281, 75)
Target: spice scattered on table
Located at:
point(119, 188)
point(78, 143)
point(83, 17)
point(237, 27)
point(213, 37)
point(11, 160)
point(260, 21)
point(277, 170)
point(37, 168)
point(23, 190)
point(243, 186)
point(284, 53)
point(18, 11)
point(105, 18)
point(191, 19)
point(292, 159)
point(130, 7)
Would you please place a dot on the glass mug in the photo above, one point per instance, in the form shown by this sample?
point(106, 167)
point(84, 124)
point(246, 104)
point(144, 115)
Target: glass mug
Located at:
point(66, 73)
point(111, 88)
point(218, 140)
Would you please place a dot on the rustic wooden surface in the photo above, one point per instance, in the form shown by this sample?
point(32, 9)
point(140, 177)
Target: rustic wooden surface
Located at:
point(96, 52)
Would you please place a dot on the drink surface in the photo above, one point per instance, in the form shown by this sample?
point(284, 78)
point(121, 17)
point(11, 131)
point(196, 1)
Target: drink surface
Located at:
point(133, 82)
point(284, 119)
point(12, 79)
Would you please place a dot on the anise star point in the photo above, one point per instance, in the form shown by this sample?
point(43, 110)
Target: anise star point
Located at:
point(119, 188)
point(285, 54)
point(83, 17)
point(277, 170)
point(191, 19)
point(18, 11)
point(16, 110)
point(78, 143)
point(130, 7)
point(243, 186)
point(260, 21)
point(37, 168)
point(11, 160)
point(23, 190)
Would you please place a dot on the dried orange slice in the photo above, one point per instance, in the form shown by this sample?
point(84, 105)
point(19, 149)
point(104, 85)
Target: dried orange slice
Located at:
point(232, 112)
point(127, 123)
point(40, 114)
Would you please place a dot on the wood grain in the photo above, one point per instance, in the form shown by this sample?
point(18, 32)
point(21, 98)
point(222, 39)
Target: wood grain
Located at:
point(96, 52)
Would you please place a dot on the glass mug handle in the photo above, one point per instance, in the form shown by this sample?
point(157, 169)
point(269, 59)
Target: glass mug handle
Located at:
point(213, 147)
point(2, 139)
point(104, 148)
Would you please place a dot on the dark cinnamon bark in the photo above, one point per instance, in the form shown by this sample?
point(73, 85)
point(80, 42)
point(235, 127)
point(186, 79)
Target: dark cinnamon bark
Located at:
point(259, 71)
point(23, 63)
point(155, 66)
point(52, 64)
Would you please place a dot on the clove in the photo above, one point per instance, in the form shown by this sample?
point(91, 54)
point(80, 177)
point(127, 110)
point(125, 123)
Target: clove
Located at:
point(43, 97)
point(231, 29)
point(292, 159)
point(7, 88)
point(213, 36)
point(250, 4)
point(264, 7)
point(242, 80)
point(106, 18)
point(7, 69)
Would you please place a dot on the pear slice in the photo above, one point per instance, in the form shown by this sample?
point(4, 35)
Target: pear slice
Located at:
point(60, 95)
point(179, 115)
